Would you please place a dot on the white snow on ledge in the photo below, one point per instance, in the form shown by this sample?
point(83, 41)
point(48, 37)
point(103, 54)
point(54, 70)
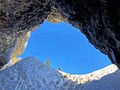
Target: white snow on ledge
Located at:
point(84, 78)
point(31, 74)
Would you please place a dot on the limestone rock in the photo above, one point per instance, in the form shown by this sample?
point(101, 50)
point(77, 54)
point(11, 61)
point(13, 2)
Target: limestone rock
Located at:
point(31, 74)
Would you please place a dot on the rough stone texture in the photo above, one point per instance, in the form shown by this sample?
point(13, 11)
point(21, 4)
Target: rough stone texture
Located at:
point(11, 46)
point(19, 15)
point(99, 20)
point(20, 45)
point(17, 18)
point(55, 16)
point(30, 74)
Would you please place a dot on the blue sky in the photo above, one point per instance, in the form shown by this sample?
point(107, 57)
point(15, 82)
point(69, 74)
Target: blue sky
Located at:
point(66, 47)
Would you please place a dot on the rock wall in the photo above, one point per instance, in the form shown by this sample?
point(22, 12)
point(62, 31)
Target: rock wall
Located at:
point(31, 74)
point(12, 46)
point(17, 18)
point(20, 45)
point(99, 20)
point(20, 15)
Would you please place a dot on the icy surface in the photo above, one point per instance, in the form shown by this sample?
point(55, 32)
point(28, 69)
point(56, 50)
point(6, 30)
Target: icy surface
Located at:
point(31, 74)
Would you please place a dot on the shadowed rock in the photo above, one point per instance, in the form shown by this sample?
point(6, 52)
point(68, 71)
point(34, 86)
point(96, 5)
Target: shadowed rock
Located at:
point(17, 18)
point(99, 20)
point(31, 74)
point(2, 61)
point(19, 15)
point(12, 46)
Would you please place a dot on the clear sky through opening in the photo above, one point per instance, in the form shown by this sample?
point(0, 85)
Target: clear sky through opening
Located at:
point(66, 47)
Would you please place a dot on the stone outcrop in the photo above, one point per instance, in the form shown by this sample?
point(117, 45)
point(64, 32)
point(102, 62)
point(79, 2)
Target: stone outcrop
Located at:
point(99, 20)
point(31, 74)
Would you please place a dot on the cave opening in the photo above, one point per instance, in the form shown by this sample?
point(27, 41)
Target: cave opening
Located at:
point(66, 47)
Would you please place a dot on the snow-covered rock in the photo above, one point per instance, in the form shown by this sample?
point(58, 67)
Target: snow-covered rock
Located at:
point(31, 74)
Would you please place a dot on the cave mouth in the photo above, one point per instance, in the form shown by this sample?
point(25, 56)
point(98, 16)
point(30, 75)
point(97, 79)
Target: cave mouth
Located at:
point(66, 47)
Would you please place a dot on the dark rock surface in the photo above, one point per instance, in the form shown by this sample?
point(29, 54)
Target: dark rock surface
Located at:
point(18, 15)
point(99, 20)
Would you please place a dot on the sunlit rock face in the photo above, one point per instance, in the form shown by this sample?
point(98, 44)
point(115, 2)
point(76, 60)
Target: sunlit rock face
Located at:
point(99, 20)
point(20, 44)
point(31, 74)
point(56, 16)
point(11, 46)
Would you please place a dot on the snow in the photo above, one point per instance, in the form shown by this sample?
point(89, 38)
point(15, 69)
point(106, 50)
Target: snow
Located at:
point(31, 74)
